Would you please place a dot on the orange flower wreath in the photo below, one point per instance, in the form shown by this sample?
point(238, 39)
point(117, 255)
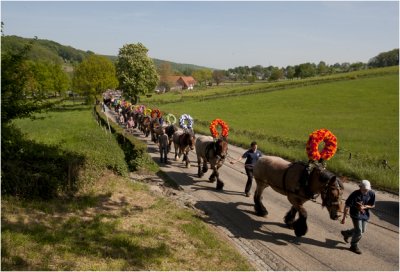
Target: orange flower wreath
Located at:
point(224, 126)
point(315, 139)
point(155, 113)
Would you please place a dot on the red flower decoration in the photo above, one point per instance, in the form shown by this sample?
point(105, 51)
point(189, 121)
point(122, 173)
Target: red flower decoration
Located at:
point(155, 113)
point(315, 139)
point(224, 126)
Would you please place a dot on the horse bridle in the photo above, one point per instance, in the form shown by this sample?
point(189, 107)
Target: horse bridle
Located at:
point(328, 202)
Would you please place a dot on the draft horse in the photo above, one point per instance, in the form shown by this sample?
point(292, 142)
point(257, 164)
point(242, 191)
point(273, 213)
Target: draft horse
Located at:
point(297, 182)
point(184, 141)
point(214, 153)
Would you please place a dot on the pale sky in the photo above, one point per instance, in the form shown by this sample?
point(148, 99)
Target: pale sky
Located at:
point(218, 35)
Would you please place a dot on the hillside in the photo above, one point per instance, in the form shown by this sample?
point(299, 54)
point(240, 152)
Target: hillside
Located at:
point(55, 52)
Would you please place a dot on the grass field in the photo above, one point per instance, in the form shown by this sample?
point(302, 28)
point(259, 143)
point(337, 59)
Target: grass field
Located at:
point(112, 222)
point(363, 113)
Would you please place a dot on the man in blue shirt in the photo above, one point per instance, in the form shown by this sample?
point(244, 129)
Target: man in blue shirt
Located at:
point(252, 155)
point(358, 203)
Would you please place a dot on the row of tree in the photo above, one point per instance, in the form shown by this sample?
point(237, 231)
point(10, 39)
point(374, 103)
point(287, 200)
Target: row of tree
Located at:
point(271, 73)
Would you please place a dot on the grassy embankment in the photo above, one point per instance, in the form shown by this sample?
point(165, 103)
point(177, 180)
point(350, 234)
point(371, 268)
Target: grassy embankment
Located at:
point(361, 109)
point(112, 222)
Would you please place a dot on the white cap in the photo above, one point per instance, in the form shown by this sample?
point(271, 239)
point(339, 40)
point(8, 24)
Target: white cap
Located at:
point(365, 184)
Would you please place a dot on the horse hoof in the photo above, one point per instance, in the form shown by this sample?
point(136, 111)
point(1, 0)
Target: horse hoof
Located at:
point(262, 213)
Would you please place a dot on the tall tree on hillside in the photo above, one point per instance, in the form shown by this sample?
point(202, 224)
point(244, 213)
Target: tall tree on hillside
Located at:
point(15, 75)
point(136, 72)
point(94, 75)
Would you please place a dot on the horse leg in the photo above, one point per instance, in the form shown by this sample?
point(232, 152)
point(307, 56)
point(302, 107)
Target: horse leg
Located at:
point(258, 205)
point(205, 167)
point(214, 174)
point(289, 217)
point(187, 159)
point(199, 172)
point(300, 225)
point(176, 152)
point(220, 183)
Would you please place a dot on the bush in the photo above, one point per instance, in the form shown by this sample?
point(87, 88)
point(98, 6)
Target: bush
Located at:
point(32, 170)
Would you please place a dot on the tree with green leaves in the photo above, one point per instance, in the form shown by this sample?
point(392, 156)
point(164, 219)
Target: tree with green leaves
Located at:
point(389, 58)
point(15, 75)
point(93, 76)
point(203, 76)
point(276, 74)
point(305, 70)
point(218, 76)
point(136, 72)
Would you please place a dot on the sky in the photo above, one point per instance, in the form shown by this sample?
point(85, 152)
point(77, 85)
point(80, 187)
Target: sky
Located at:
point(218, 35)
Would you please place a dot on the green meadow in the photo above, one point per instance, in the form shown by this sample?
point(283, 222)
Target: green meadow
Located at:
point(362, 112)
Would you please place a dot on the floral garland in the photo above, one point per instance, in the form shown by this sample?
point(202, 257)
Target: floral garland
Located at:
point(224, 126)
point(147, 111)
point(156, 112)
point(168, 118)
point(139, 108)
point(315, 139)
point(188, 118)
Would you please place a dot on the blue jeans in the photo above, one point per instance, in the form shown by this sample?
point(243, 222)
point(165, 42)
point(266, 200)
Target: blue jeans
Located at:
point(356, 233)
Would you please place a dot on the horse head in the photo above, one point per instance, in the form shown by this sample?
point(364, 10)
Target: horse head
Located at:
point(331, 189)
point(221, 148)
point(189, 138)
point(170, 130)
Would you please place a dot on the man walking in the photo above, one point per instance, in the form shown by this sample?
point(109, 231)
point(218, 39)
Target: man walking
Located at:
point(358, 203)
point(252, 155)
point(164, 146)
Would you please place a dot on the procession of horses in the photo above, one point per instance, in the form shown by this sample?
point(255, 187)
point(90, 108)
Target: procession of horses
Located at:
point(299, 181)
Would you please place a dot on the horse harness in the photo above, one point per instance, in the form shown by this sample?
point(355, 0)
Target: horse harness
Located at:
point(210, 146)
point(303, 180)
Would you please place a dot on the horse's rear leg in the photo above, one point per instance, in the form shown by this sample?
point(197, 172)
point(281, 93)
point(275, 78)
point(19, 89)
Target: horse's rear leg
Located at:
point(186, 159)
point(199, 172)
point(258, 205)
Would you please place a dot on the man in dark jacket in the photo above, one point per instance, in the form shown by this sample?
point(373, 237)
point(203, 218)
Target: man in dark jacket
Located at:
point(358, 204)
point(252, 155)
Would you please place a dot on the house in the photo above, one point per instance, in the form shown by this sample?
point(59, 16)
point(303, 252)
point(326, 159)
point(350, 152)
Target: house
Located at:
point(179, 83)
point(187, 82)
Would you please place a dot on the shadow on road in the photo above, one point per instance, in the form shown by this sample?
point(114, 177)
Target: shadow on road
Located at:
point(241, 224)
point(387, 211)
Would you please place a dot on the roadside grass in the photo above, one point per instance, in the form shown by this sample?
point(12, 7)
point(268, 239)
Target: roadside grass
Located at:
point(111, 222)
point(71, 127)
point(117, 224)
point(363, 114)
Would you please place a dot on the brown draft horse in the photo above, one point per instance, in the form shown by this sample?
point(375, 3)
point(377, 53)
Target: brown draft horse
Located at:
point(213, 152)
point(288, 179)
point(183, 142)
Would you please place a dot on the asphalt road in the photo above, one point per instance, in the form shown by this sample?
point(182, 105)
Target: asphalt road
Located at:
point(267, 242)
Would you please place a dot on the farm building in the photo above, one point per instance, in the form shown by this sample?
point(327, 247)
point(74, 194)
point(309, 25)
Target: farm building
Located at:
point(179, 83)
